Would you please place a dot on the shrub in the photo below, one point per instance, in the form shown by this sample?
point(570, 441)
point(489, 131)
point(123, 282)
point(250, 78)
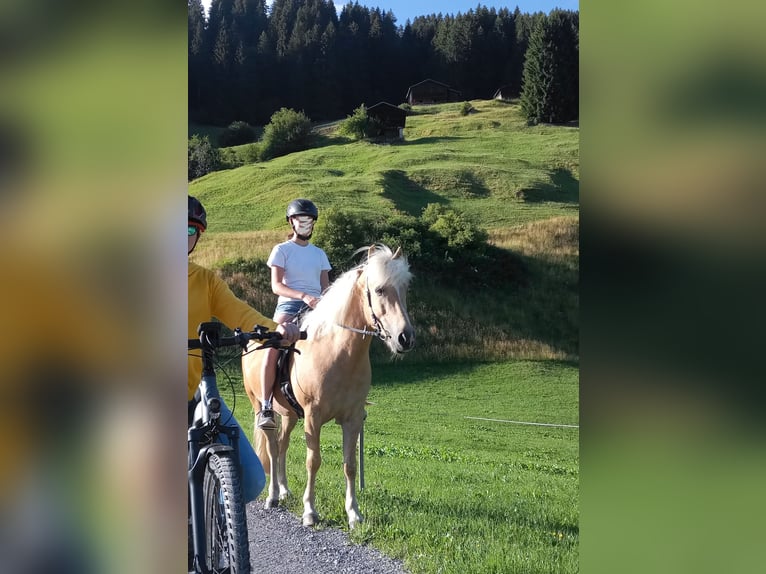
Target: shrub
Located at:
point(203, 157)
point(237, 133)
point(406, 107)
point(359, 125)
point(340, 234)
point(288, 131)
point(441, 243)
point(466, 108)
point(228, 159)
point(457, 231)
point(252, 153)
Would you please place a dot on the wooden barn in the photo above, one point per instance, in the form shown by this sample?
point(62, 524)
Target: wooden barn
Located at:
point(392, 119)
point(431, 92)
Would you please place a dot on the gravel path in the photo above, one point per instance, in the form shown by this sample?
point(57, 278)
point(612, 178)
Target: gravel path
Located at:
point(280, 544)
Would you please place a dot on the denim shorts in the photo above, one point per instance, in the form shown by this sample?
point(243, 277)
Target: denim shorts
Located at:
point(291, 307)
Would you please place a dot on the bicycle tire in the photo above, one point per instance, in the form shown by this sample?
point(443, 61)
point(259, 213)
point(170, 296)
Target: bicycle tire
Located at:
point(225, 520)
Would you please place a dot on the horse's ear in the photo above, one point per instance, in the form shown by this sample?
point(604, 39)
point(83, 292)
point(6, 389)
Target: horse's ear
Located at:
point(371, 251)
point(397, 253)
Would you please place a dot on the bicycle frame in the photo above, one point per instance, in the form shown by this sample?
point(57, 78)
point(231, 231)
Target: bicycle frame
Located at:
point(204, 438)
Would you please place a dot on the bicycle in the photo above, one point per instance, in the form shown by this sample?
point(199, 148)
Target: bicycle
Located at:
point(218, 521)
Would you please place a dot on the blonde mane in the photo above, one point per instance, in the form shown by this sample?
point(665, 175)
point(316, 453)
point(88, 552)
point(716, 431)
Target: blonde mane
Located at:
point(381, 269)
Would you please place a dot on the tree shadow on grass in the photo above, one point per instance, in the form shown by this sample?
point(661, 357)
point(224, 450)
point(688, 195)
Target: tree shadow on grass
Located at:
point(407, 196)
point(470, 186)
point(322, 140)
point(563, 188)
point(429, 140)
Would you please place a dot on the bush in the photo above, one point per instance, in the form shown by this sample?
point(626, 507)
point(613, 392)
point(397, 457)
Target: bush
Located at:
point(406, 107)
point(442, 244)
point(288, 131)
point(203, 157)
point(466, 109)
point(252, 153)
point(237, 133)
point(359, 125)
point(453, 227)
point(340, 234)
point(229, 158)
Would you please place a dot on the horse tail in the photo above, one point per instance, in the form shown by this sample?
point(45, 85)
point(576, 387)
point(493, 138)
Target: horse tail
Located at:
point(261, 448)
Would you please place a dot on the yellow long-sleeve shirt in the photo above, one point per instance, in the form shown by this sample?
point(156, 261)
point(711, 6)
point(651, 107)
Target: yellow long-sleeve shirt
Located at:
point(209, 297)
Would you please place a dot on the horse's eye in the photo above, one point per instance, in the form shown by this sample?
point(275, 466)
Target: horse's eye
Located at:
point(379, 290)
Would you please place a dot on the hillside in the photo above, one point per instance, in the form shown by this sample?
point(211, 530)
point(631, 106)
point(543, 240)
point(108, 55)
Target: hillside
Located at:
point(520, 183)
point(488, 164)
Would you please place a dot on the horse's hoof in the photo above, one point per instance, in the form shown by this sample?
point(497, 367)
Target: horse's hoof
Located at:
point(354, 521)
point(270, 503)
point(310, 519)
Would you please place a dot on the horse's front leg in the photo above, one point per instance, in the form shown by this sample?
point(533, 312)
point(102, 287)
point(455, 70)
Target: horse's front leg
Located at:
point(351, 430)
point(313, 461)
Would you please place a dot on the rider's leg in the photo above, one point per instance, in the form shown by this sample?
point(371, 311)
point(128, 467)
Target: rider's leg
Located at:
point(265, 419)
point(268, 376)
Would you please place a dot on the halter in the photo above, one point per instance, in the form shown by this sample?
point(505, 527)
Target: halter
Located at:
point(378, 329)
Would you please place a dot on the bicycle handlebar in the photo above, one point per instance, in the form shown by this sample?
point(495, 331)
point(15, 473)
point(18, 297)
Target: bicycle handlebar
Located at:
point(241, 338)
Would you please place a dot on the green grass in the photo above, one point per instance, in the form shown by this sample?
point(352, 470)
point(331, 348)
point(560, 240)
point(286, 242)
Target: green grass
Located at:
point(490, 165)
point(519, 182)
point(444, 493)
point(534, 318)
point(448, 494)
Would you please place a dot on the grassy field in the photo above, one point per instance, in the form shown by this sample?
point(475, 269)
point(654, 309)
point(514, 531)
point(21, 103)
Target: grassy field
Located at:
point(450, 494)
point(519, 182)
point(445, 493)
point(489, 164)
point(535, 318)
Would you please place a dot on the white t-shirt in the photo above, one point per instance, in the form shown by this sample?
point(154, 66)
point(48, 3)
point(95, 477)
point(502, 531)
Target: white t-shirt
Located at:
point(303, 265)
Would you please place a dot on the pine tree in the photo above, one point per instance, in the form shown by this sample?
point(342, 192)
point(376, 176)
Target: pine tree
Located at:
point(198, 54)
point(246, 62)
point(551, 72)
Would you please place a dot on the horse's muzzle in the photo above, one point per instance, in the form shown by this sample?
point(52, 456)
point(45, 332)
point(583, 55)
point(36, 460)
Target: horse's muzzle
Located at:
point(406, 340)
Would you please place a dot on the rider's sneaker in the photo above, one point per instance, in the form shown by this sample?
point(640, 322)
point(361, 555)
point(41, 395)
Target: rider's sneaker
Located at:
point(266, 420)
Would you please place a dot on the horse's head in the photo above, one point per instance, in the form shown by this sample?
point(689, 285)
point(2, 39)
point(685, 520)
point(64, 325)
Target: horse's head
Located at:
point(386, 278)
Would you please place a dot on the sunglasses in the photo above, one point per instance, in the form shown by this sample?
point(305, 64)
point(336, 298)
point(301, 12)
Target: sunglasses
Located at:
point(192, 231)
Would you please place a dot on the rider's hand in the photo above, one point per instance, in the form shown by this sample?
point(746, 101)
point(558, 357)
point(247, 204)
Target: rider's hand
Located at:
point(310, 300)
point(290, 332)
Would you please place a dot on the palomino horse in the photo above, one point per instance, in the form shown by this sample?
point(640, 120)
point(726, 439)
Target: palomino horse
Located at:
point(331, 376)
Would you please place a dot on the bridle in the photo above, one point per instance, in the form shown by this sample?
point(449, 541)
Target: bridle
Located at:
point(379, 330)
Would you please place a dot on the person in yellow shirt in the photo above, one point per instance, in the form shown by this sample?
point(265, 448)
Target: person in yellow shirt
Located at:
point(209, 297)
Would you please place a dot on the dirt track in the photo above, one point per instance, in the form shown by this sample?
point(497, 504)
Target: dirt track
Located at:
point(280, 544)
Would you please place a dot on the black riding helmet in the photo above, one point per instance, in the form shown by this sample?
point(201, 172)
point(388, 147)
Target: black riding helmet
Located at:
point(302, 207)
point(197, 213)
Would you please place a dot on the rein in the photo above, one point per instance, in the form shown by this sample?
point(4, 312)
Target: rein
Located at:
point(378, 329)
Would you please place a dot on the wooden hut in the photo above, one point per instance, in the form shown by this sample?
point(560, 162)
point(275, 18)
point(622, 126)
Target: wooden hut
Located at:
point(431, 92)
point(391, 118)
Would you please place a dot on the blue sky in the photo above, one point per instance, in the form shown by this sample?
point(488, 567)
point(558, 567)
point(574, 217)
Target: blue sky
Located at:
point(409, 9)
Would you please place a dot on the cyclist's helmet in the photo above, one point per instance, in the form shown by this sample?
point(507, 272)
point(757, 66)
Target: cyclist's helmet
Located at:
point(302, 207)
point(197, 214)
